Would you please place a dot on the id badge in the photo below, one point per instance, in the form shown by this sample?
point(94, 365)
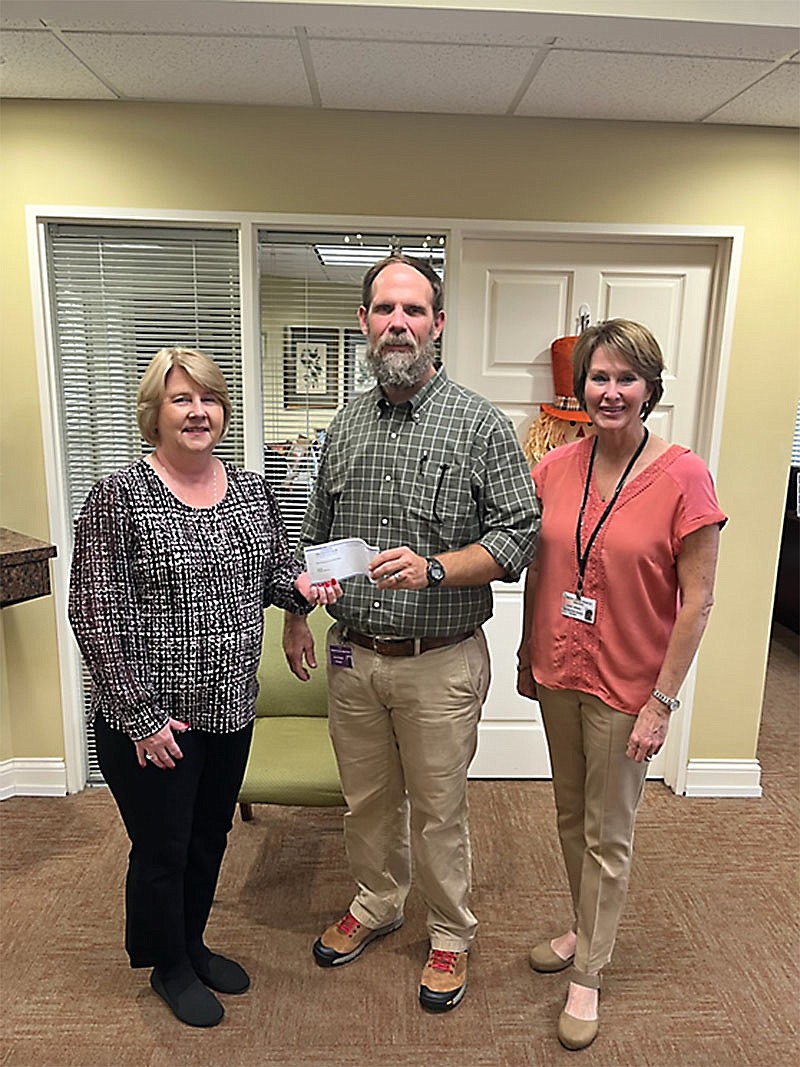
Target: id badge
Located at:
point(340, 655)
point(582, 608)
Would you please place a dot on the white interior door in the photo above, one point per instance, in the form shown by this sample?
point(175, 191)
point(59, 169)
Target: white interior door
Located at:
point(514, 297)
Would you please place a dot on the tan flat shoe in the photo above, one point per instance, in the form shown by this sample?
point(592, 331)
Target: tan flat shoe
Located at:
point(574, 1033)
point(543, 959)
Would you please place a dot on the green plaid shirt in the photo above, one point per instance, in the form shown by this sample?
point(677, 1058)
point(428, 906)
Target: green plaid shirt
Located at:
point(440, 472)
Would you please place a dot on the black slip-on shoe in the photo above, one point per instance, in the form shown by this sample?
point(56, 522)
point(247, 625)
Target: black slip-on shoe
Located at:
point(188, 1001)
point(222, 975)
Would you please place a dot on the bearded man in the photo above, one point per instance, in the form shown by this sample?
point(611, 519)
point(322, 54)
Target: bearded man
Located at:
point(433, 474)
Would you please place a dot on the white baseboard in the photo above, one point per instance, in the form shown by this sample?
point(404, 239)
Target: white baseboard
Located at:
point(704, 778)
point(723, 778)
point(33, 778)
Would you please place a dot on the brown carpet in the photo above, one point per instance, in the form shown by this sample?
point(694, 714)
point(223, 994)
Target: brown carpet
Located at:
point(705, 971)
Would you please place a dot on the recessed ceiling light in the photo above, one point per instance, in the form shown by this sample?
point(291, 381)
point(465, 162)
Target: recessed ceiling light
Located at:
point(363, 255)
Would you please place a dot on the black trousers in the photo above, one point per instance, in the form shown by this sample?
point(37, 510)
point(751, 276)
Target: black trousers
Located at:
point(178, 823)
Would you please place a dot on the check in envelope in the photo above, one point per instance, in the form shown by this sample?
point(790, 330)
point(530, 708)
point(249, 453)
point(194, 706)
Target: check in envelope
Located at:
point(338, 559)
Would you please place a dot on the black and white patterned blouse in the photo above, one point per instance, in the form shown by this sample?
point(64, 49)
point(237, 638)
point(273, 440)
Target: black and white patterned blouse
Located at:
point(167, 600)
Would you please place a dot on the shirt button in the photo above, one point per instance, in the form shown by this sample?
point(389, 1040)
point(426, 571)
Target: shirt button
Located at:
point(384, 522)
point(376, 603)
point(388, 478)
point(393, 435)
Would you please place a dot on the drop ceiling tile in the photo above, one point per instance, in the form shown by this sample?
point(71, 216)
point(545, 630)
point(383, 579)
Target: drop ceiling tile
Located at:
point(37, 65)
point(774, 101)
point(682, 39)
point(418, 77)
point(226, 70)
point(426, 59)
point(441, 33)
point(632, 87)
point(212, 17)
point(23, 19)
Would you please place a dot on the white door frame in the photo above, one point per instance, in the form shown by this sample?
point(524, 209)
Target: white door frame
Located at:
point(726, 239)
point(727, 244)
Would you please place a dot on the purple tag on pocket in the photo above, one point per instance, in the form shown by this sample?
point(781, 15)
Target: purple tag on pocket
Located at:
point(341, 656)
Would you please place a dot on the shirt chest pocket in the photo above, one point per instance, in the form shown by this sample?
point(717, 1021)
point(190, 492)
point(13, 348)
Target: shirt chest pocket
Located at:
point(442, 501)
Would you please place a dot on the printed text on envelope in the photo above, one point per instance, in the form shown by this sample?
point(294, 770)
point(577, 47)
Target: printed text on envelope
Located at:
point(338, 559)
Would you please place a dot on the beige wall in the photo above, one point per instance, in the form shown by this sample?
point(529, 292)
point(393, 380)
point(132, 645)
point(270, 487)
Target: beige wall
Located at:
point(284, 160)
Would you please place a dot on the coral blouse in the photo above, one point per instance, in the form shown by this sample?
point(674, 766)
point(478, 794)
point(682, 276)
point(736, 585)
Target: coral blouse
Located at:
point(631, 571)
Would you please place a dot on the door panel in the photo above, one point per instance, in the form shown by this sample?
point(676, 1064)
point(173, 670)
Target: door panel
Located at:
point(514, 298)
point(511, 735)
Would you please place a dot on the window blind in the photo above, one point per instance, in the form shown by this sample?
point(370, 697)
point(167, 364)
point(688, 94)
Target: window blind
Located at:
point(117, 295)
point(312, 346)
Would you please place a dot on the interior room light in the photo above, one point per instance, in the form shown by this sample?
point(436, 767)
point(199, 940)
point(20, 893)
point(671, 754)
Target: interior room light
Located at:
point(350, 255)
point(363, 255)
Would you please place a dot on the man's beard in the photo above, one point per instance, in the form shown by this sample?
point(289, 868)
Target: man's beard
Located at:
point(403, 369)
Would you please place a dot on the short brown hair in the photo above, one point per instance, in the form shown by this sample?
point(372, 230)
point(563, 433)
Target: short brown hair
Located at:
point(200, 368)
point(630, 341)
point(425, 269)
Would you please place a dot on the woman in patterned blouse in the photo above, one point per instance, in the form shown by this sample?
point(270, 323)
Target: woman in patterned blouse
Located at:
point(175, 559)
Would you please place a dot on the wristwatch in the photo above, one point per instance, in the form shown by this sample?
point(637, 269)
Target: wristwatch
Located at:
point(670, 702)
point(435, 571)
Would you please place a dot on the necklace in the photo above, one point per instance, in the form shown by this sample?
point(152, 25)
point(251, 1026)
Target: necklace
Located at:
point(200, 523)
point(174, 480)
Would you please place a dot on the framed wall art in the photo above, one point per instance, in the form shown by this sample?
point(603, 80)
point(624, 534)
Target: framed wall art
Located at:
point(357, 375)
point(311, 367)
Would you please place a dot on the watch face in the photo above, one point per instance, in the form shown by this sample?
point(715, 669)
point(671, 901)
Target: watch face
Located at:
point(435, 572)
point(671, 702)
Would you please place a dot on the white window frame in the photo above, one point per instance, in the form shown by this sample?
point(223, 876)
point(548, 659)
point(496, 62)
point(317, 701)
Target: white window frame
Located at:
point(728, 239)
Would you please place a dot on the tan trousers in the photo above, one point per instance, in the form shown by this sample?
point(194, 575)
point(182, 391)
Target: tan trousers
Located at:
point(597, 792)
point(405, 730)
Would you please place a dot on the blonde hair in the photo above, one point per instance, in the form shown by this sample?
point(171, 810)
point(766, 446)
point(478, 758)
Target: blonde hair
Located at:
point(203, 371)
point(632, 342)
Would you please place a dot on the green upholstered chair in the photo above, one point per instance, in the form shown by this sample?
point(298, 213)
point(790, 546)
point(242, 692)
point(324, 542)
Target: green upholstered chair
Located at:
point(291, 757)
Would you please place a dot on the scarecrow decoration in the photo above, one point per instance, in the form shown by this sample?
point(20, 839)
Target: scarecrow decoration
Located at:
point(563, 420)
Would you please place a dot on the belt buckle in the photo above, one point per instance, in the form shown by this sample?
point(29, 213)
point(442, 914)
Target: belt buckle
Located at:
point(390, 643)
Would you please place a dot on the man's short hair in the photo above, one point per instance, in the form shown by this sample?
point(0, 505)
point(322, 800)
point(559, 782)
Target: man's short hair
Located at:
point(425, 269)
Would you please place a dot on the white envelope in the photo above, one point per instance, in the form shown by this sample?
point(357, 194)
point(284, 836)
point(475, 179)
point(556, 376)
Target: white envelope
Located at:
point(338, 559)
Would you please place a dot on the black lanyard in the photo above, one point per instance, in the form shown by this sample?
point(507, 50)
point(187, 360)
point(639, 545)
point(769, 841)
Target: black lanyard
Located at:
point(583, 558)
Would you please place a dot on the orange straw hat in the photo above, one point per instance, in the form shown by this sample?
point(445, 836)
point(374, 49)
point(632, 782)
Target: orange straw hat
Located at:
point(566, 405)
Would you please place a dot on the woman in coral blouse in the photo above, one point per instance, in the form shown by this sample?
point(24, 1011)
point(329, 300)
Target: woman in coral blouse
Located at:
point(615, 606)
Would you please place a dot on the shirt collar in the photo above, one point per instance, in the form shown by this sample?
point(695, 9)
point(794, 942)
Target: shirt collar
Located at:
point(412, 407)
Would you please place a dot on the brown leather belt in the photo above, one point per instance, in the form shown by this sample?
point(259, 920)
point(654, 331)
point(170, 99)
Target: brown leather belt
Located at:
point(408, 646)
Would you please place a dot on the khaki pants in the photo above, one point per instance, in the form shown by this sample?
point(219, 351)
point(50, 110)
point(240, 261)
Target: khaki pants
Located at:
point(597, 792)
point(405, 730)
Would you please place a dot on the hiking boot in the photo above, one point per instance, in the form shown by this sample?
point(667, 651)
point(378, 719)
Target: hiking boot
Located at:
point(444, 980)
point(347, 939)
